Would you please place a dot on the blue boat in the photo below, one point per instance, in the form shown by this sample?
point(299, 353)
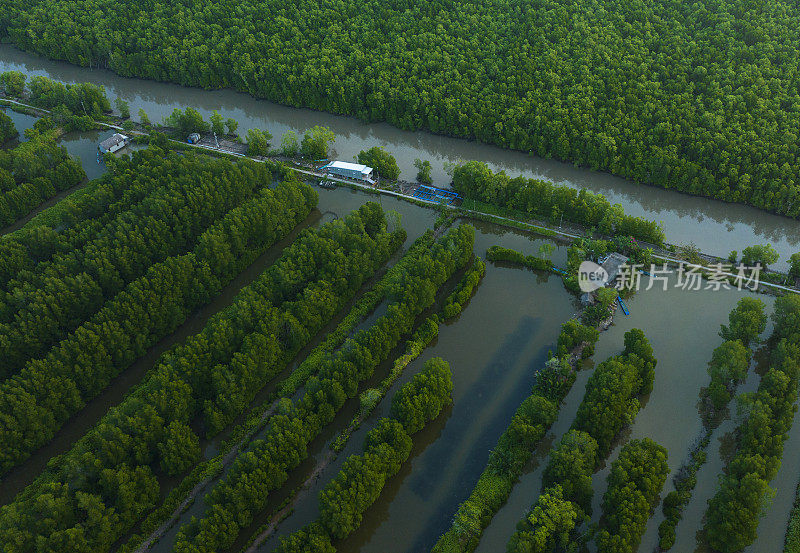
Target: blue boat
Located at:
point(623, 306)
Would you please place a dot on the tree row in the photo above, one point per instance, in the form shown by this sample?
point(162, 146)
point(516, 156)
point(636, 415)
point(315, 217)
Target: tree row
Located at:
point(530, 423)
point(235, 500)
point(203, 382)
point(41, 306)
point(38, 400)
point(610, 402)
point(734, 512)
point(343, 501)
point(33, 172)
point(551, 202)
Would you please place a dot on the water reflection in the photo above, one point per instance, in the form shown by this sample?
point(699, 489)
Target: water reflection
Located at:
point(716, 227)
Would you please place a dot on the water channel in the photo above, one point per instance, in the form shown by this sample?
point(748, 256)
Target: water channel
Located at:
point(499, 341)
point(716, 227)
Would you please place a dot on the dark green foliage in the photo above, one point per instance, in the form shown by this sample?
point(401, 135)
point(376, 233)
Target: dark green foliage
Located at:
point(383, 162)
point(734, 511)
point(41, 307)
point(499, 253)
point(634, 483)
point(37, 401)
point(7, 128)
point(570, 467)
point(695, 96)
point(423, 171)
point(612, 392)
point(358, 484)
point(458, 299)
point(746, 322)
point(423, 398)
point(575, 458)
point(548, 201)
point(574, 334)
point(360, 481)
point(246, 487)
point(13, 82)
point(187, 122)
point(241, 343)
point(310, 539)
point(514, 449)
point(80, 99)
point(33, 172)
point(763, 254)
point(179, 450)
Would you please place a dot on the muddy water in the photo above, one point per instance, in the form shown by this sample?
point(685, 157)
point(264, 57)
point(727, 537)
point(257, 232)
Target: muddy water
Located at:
point(525, 492)
point(494, 349)
point(682, 327)
point(80, 145)
point(714, 226)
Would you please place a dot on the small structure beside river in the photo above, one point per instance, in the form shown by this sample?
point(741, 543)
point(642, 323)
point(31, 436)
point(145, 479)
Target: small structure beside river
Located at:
point(349, 170)
point(113, 143)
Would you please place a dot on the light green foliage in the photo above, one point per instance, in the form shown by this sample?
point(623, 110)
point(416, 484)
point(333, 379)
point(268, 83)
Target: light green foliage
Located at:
point(123, 107)
point(217, 123)
point(289, 144)
point(316, 141)
point(13, 82)
point(232, 125)
point(746, 322)
point(257, 142)
point(548, 526)
point(384, 163)
point(423, 171)
point(764, 254)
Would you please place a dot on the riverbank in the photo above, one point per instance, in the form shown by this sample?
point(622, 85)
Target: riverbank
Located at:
point(715, 226)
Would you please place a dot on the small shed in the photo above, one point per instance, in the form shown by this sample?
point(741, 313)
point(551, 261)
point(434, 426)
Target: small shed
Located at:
point(350, 170)
point(611, 265)
point(113, 143)
point(193, 138)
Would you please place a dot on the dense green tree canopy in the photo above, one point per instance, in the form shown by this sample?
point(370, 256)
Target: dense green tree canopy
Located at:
point(7, 128)
point(696, 96)
point(383, 162)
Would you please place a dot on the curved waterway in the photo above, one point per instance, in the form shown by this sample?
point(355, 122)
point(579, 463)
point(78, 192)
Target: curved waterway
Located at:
point(716, 227)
